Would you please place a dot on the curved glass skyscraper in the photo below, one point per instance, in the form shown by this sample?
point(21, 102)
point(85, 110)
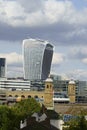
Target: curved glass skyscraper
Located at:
point(37, 59)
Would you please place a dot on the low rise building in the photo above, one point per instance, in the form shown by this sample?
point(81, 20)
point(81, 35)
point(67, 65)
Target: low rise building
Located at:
point(14, 84)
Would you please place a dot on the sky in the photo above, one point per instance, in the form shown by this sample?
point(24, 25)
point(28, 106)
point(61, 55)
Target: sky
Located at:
point(61, 22)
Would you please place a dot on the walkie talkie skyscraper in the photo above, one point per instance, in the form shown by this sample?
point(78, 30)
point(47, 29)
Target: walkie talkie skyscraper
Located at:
point(37, 57)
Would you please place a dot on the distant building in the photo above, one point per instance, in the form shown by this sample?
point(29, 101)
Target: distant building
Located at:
point(11, 88)
point(14, 84)
point(81, 91)
point(37, 57)
point(2, 67)
point(62, 87)
point(60, 97)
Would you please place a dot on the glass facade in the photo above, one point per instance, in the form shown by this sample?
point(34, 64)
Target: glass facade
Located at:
point(62, 86)
point(2, 67)
point(37, 59)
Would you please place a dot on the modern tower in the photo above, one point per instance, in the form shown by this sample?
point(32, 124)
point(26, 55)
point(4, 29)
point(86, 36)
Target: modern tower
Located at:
point(37, 57)
point(2, 67)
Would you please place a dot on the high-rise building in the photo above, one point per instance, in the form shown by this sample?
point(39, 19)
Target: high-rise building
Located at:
point(37, 59)
point(2, 67)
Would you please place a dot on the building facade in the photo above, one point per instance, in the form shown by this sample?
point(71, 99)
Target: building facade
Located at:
point(80, 88)
point(2, 67)
point(37, 57)
point(72, 91)
point(44, 97)
point(49, 92)
point(14, 84)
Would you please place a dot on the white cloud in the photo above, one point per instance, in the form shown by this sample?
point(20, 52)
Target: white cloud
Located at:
point(14, 72)
point(79, 53)
point(14, 64)
point(31, 6)
point(77, 32)
point(78, 74)
point(12, 58)
point(84, 60)
point(58, 58)
point(65, 25)
point(37, 13)
point(54, 10)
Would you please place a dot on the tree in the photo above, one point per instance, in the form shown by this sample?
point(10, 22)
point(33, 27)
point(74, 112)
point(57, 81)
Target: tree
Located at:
point(77, 124)
point(24, 109)
point(27, 107)
point(10, 117)
point(82, 124)
point(6, 118)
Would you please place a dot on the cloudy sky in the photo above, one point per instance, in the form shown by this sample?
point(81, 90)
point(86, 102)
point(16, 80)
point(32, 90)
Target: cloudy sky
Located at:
point(61, 22)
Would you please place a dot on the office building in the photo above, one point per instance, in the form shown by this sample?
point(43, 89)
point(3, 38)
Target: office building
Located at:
point(37, 57)
point(80, 88)
point(14, 84)
point(2, 67)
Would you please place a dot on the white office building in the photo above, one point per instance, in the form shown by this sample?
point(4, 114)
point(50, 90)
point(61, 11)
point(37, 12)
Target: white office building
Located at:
point(14, 84)
point(37, 57)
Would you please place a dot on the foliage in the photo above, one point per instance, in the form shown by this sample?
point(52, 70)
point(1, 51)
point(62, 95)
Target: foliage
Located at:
point(78, 124)
point(6, 118)
point(10, 117)
point(27, 107)
point(24, 109)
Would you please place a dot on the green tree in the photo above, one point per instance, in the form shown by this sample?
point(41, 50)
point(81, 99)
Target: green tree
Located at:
point(77, 124)
point(6, 118)
point(27, 107)
point(24, 109)
point(82, 124)
point(10, 117)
